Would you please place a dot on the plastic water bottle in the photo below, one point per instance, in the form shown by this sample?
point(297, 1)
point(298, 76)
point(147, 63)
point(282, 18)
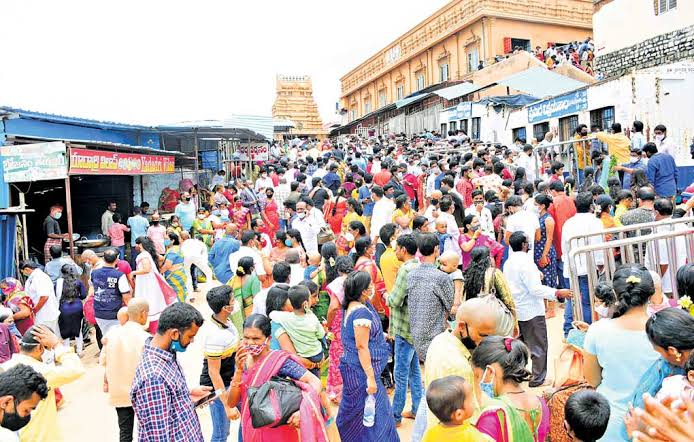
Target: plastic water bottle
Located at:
point(369, 411)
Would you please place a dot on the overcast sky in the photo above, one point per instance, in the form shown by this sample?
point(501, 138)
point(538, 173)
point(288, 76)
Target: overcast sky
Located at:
point(152, 61)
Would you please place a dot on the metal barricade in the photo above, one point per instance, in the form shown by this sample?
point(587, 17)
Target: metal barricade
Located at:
point(572, 161)
point(644, 243)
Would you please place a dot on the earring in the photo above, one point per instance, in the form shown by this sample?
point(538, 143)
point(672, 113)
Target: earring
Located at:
point(678, 357)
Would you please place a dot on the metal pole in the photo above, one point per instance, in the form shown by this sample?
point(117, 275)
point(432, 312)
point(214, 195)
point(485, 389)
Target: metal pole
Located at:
point(197, 170)
point(25, 240)
point(68, 206)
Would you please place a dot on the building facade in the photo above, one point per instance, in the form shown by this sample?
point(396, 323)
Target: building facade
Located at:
point(294, 102)
point(653, 33)
point(451, 44)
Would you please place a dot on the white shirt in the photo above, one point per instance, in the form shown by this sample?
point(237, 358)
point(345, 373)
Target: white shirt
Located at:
point(581, 224)
point(37, 286)
point(309, 232)
point(194, 248)
point(529, 206)
point(260, 300)
point(296, 275)
point(666, 146)
point(527, 163)
point(680, 250)
point(485, 219)
point(382, 215)
point(246, 251)
point(452, 229)
point(320, 173)
point(261, 183)
point(429, 214)
point(526, 222)
point(216, 181)
point(526, 287)
point(431, 183)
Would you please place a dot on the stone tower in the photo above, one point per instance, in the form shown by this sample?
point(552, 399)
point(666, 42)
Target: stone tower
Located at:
point(294, 102)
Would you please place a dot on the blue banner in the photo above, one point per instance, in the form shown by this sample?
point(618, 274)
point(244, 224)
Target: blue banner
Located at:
point(463, 110)
point(558, 106)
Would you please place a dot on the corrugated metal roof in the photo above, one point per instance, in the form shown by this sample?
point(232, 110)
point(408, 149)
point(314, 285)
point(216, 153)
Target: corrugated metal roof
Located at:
point(410, 100)
point(540, 82)
point(276, 122)
point(54, 118)
point(458, 90)
point(261, 125)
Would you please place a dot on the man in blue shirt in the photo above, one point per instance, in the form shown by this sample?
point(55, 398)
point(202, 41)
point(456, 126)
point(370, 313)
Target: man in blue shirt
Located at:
point(332, 179)
point(661, 171)
point(636, 163)
point(138, 227)
point(220, 252)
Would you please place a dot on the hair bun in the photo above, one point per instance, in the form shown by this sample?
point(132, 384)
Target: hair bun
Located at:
point(240, 271)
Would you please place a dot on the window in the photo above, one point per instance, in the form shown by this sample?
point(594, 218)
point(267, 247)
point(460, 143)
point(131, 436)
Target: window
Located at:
point(473, 59)
point(443, 129)
point(539, 131)
point(603, 118)
point(381, 98)
point(453, 125)
point(420, 81)
point(353, 115)
point(567, 126)
point(475, 135)
point(511, 44)
point(463, 126)
point(400, 91)
point(443, 72)
point(367, 107)
point(519, 133)
point(665, 6)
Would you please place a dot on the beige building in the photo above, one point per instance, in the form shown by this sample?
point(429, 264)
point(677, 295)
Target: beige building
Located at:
point(294, 102)
point(450, 45)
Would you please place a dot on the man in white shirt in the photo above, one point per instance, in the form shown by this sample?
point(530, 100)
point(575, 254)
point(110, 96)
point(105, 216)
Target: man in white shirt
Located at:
point(307, 225)
point(662, 141)
point(527, 162)
point(40, 289)
point(583, 223)
point(432, 211)
point(219, 178)
point(521, 221)
point(483, 214)
point(248, 248)
point(663, 211)
point(296, 271)
point(280, 275)
point(524, 281)
point(194, 254)
point(383, 211)
point(263, 181)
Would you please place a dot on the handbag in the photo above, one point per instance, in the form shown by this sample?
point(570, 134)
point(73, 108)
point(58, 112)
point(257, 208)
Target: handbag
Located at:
point(568, 368)
point(88, 310)
point(506, 321)
point(273, 403)
point(325, 235)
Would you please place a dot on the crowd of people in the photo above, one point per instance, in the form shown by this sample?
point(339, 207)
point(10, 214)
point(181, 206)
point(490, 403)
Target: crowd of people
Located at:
point(348, 275)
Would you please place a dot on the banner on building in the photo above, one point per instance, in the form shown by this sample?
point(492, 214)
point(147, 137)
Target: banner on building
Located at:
point(558, 106)
point(463, 110)
point(34, 162)
point(252, 152)
point(101, 162)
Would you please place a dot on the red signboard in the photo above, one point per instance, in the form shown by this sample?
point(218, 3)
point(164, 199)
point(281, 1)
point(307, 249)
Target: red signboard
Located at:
point(101, 162)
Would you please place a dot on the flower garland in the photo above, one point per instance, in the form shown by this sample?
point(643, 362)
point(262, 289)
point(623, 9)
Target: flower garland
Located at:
point(685, 303)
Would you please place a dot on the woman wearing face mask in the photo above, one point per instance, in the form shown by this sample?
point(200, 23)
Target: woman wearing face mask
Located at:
point(256, 364)
point(364, 261)
point(148, 280)
point(282, 244)
point(603, 209)
point(156, 232)
point(172, 268)
point(473, 237)
point(336, 291)
point(241, 215)
point(270, 213)
point(246, 285)
point(294, 236)
point(175, 225)
point(545, 254)
point(202, 226)
point(365, 356)
point(511, 413)
point(14, 297)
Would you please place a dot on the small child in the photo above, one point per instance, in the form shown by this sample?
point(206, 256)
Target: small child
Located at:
point(586, 414)
point(449, 264)
point(117, 234)
point(674, 386)
point(445, 239)
point(450, 399)
point(313, 268)
point(303, 327)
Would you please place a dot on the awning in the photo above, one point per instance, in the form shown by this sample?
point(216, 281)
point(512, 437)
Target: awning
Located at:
point(540, 82)
point(409, 100)
point(254, 125)
point(458, 90)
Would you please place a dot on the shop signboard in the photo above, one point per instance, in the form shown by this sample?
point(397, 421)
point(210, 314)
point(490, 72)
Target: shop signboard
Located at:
point(34, 162)
point(463, 110)
point(252, 152)
point(102, 162)
point(558, 106)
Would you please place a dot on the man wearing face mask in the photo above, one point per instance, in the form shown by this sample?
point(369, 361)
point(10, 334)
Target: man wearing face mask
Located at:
point(524, 280)
point(661, 171)
point(450, 353)
point(38, 345)
point(52, 230)
point(40, 289)
point(221, 250)
point(21, 391)
point(662, 141)
point(110, 289)
point(185, 211)
point(163, 404)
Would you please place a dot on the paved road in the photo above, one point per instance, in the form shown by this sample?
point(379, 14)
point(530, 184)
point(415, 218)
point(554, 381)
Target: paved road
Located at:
point(88, 416)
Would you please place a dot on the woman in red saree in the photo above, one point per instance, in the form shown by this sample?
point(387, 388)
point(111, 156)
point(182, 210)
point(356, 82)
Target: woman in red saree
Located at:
point(271, 214)
point(365, 250)
point(335, 210)
point(255, 365)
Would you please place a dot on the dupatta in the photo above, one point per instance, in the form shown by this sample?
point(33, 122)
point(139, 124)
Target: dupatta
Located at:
point(312, 426)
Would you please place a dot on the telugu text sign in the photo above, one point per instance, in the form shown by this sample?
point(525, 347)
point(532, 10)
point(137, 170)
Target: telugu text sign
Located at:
point(558, 106)
point(101, 162)
point(252, 152)
point(34, 162)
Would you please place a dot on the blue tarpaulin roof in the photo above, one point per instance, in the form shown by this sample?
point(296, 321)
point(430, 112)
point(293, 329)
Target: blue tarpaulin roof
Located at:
point(458, 90)
point(540, 82)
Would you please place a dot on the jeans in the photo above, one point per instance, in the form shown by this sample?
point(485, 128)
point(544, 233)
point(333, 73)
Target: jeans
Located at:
point(406, 371)
point(581, 177)
point(220, 421)
point(121, 251)
point(563, 281)
point(133, 257)
point(126, 422)
point(283, 225)
point(585, 305)
point(316, 358)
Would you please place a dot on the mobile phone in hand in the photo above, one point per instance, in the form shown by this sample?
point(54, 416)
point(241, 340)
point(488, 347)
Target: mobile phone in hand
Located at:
point(206, 400)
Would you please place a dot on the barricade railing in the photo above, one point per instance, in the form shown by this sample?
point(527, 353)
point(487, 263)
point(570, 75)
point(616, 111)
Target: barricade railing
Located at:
point(589, 255)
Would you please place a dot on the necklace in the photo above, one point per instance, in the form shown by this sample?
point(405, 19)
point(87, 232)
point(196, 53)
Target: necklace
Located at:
point(515, 392)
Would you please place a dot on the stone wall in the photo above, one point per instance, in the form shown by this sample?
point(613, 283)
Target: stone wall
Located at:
point(666, 48)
